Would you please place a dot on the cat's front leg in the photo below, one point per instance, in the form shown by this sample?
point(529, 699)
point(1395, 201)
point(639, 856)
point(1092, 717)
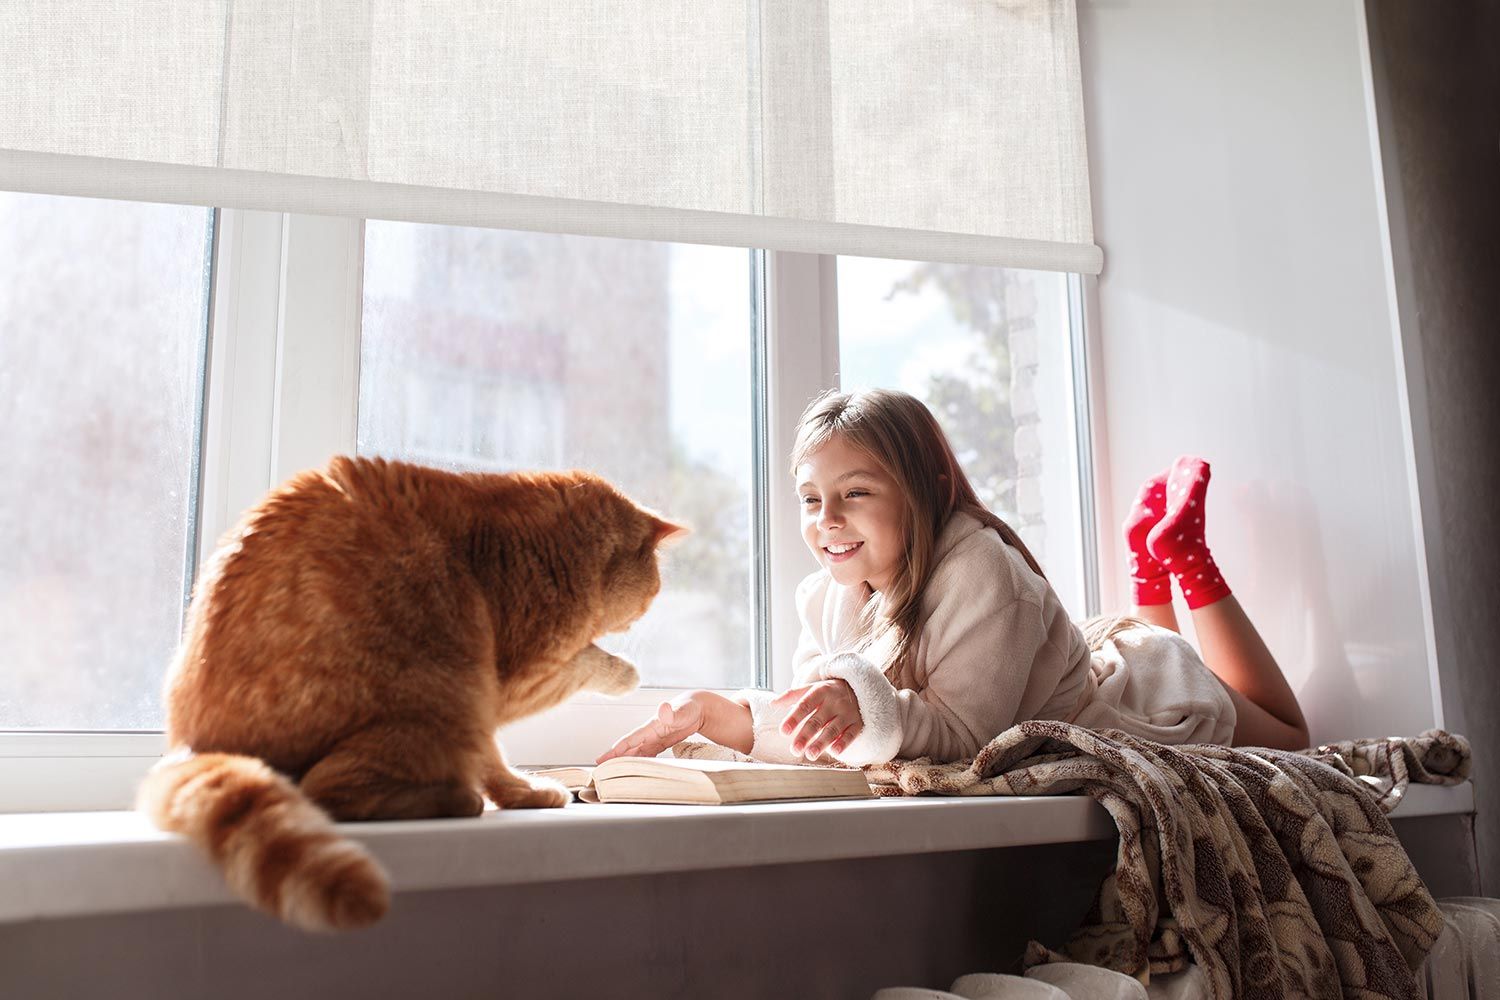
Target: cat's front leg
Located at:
point(510, 789)
point(605, 672)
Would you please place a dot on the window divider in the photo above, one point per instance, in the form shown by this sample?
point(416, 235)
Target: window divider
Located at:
point(316, 401)
point(803, 339)
point(235, 456)
point(762, 590)
point(1084, 388)
point(1100, 547)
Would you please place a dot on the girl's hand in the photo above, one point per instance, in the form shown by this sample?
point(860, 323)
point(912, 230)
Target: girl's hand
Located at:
point(824, 716)
point(675, 721)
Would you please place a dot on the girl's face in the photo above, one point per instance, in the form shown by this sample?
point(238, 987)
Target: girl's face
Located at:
point(852, 514)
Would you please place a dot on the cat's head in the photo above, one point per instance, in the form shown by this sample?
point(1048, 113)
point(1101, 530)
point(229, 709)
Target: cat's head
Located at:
point(628, 537)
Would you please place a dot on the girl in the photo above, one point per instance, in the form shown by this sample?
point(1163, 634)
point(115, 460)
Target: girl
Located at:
point(930, 628)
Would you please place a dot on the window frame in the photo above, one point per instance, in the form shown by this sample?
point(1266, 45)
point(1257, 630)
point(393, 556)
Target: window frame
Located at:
point(282, 391)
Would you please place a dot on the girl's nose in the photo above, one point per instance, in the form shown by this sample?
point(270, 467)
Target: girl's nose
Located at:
point(830, 516)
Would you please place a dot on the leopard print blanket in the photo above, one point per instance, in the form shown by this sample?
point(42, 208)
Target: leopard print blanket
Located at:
point(1276, 872)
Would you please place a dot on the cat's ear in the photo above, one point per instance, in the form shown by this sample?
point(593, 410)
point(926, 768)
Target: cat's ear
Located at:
point(666, 533)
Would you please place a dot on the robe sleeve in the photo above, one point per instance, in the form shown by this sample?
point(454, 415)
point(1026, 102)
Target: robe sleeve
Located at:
point(980, 658)
point(769, 743)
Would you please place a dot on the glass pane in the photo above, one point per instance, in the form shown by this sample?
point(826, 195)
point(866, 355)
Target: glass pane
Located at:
point(493, 350)
point(102, 308)
point(989, 350)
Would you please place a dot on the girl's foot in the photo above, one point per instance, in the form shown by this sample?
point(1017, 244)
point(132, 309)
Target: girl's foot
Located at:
point(1150, 582)
point(1177, 540)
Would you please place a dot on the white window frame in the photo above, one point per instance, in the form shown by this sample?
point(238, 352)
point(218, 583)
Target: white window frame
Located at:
point(282, 395)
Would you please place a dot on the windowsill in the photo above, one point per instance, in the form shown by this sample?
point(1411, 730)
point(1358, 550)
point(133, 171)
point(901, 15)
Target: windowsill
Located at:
point(74, 864)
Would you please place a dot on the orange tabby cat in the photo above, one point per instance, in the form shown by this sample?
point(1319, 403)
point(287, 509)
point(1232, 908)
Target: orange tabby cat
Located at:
point(352, 647)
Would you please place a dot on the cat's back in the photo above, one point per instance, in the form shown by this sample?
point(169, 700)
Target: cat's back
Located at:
point(352, 499)
point(323, 582)
point(328, 533)
point(364, 535)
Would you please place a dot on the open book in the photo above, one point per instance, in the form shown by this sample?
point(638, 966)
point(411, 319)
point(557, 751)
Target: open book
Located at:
point(675, 780)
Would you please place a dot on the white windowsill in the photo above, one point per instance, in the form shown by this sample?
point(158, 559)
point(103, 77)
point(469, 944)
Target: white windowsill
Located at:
point(74, 864)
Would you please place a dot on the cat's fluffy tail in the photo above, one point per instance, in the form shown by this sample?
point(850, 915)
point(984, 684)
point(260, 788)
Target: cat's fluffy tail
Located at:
point(277, 849)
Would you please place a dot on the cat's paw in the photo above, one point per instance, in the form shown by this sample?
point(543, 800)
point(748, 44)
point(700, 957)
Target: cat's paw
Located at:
point(541, 793)
point(620, 677)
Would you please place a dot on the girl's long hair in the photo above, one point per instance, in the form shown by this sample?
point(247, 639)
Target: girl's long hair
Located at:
point(1101, 628)
point(902, 435)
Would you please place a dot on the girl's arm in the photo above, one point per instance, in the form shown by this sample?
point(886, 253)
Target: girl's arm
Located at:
point(980, 657)
point(721, 719)
point(770, 741)
point(726, 721)
point(982, 646)
point(980, 662)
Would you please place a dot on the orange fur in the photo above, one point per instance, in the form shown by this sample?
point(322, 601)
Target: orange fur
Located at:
point(352, 647)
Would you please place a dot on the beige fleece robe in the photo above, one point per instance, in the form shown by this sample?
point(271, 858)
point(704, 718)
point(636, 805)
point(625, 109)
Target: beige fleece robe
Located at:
point(996, 647)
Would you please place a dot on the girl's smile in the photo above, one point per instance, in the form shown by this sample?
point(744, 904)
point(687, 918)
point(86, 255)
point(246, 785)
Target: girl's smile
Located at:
point(852, 514)
point(842, 552)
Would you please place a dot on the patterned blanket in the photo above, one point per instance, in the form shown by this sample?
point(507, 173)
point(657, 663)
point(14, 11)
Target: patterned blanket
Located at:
point(1277, 872)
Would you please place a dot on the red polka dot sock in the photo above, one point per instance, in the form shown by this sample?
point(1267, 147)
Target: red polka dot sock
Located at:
point(1177, 539)
point(1150, 582)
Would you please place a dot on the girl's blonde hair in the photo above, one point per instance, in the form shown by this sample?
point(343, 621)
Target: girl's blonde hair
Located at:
point(1101, 628)
point(902, 435)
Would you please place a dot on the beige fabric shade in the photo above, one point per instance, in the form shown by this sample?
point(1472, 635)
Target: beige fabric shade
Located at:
point(919, 129)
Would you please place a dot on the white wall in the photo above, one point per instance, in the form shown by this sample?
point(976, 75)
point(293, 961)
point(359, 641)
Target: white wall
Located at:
point(1244, 315)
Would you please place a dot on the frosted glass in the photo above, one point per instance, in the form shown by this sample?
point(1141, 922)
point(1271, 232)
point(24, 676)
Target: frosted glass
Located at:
point(494, 351)
point(102, 318)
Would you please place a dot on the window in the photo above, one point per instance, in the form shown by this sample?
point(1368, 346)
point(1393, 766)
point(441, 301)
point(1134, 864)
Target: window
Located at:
point(102, 327)
point(677, 371)
point(990, 351)
point(490, 350)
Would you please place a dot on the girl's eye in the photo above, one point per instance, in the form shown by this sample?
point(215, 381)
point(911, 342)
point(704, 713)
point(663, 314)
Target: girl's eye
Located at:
point(857, 493)
point(809, 501)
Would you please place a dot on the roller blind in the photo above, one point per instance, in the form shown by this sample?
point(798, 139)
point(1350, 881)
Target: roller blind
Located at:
point(922, 129)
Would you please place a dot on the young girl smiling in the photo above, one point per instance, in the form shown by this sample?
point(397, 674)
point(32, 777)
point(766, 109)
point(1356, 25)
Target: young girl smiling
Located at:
point(930, 628)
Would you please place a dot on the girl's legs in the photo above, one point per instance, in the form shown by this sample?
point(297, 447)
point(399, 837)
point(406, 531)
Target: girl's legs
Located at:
point(1267, 711)
point(1160, 615)
point(1165, 532)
